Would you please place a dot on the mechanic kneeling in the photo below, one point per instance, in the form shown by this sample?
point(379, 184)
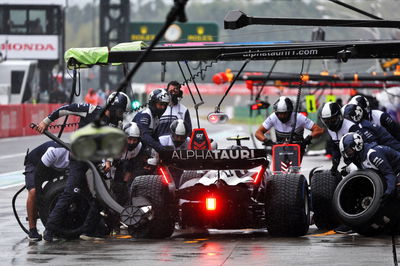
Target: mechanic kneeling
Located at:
point(77, 170)
point(41, 164)
point(373, 156)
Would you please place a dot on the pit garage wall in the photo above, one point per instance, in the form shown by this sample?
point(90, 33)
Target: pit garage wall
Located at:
point(16, 118)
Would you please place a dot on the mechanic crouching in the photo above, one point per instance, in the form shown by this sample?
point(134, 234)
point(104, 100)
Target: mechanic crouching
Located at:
point(41, 164)
point(177, 140)
point(131, 164)
point(77, 170)
point(381, 158)
point(283, 120)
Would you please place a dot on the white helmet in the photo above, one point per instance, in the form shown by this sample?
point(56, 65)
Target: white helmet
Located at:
point(122, 101)
point(132, 130)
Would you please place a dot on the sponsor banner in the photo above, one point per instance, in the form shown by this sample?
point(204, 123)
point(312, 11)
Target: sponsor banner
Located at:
point(29, 46)
point(240, 89)
point(16, 118)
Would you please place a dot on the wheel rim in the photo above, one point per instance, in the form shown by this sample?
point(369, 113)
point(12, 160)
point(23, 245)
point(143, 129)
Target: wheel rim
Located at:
point(357, 195)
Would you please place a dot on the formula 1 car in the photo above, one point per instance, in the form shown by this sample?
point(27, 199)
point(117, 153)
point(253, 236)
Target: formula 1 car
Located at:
point(221, 189)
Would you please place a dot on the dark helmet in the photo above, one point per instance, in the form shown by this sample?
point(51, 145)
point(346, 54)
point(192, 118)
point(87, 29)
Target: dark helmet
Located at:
point(353, 112)
point(350, 145)
point(158, 96)
point(283, 108)
point(175, 96)
point(179, 132)
point(363, 103)
point(119, 105)
point(331, 116)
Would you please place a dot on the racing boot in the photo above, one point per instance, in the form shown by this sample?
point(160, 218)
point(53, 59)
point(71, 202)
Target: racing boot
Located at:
point(34, 235)
point(48, 236)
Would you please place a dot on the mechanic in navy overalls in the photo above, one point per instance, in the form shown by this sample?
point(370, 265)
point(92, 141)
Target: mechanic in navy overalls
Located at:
point(131, 163)
point(332, 117)
point(77, 170)
point(175, 110)
point(384, 159)
point(283, 119)
point(149, 119)
point(44, 162)
point(376, 117)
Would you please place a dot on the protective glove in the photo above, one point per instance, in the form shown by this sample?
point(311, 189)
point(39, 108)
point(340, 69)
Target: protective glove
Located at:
point(344, 171)
point(385, 198)
point(307, 141)
point(268, 142)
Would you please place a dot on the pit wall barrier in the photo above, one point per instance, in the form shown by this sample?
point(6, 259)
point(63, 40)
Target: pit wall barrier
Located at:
point(16, 118)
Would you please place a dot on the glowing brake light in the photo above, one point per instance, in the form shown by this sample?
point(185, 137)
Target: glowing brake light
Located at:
point(211, 204)
point(259, 175)
point(165, 176)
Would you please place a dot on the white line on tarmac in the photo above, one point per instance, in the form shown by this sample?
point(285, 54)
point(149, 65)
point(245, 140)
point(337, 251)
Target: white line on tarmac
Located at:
point(12, 155)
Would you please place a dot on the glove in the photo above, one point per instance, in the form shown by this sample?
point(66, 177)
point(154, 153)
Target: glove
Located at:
point(344, 171)
point(307, 140)
point(385, 198)
point(268, 142)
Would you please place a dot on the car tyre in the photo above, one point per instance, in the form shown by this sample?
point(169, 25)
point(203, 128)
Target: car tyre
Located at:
point(323, 185)
point(287, 205)
point(162, 223)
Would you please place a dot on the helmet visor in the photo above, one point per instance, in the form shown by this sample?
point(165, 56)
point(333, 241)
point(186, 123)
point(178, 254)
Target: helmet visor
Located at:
point(283, 116)
point(332, 122)
point(349, 152)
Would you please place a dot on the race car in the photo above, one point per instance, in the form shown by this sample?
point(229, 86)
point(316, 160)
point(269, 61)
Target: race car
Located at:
point(221, 189)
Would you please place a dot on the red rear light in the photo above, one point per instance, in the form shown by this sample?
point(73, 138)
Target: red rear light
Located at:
point(211, 203)
point(165, 177)
point(260, 173)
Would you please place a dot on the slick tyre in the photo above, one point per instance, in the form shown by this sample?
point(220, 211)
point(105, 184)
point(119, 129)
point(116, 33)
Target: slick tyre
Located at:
point(72, 225)
point(161, 225)
point(323, 185)
point(287, 205)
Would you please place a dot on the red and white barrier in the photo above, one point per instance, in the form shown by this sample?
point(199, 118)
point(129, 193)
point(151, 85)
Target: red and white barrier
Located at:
point(16, 118)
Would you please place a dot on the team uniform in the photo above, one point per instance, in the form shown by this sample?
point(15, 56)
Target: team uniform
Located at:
point(173, 112)
point(383, 159)
point(283, 130)
point(77, 170)
point(147, 124)
point(167, 141)
point(385, 120)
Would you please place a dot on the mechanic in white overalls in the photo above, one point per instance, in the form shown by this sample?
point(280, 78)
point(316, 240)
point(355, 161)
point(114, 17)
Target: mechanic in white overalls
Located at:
point(282, 120)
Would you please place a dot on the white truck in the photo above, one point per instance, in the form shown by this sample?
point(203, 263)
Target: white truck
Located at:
point(19, 81)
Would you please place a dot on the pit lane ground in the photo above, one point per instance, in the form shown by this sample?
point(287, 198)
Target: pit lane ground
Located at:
point(218, 247)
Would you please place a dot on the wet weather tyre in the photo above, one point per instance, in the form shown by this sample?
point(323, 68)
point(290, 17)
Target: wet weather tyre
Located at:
point(323, 185)
point(72, 225)
point(357, 201)
point(162, 223)
point(287, 205)
point(189, 175)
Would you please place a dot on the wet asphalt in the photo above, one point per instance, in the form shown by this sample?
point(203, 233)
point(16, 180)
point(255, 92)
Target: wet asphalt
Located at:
point(215, 247)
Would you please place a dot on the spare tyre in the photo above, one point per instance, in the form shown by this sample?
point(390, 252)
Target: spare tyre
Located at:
point(357, 202)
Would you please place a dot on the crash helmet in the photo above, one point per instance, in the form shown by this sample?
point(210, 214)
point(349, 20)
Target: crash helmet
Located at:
point(363, 103)
point(353, 112)
point(133, 132)
point(283, 108)
point(121, 101)
point(179, 132)
point(118, 105)
point(176, 94)
point(158, 96)
point(331, 116)
point(350, 145)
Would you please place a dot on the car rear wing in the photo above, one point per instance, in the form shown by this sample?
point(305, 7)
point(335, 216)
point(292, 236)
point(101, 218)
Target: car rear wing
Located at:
point(218, 159)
